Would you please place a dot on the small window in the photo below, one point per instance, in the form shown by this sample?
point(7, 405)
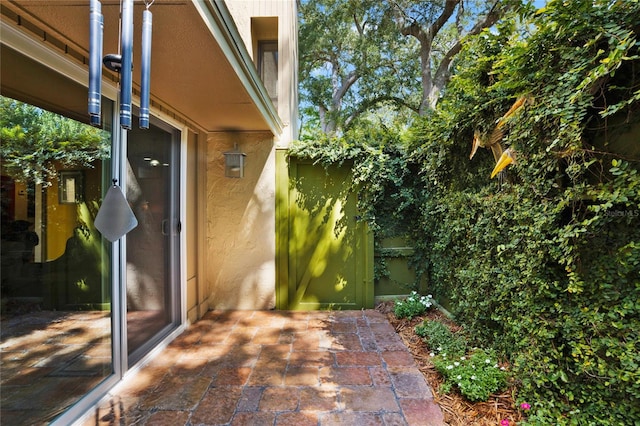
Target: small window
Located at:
point(268, 67)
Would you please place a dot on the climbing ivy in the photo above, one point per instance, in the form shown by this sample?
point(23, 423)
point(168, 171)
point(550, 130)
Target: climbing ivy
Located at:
point(544, 263)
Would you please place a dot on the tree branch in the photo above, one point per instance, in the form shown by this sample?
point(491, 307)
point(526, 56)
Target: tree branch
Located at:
point(367, 104)
point(347, 82)
point(443, 73)
point(358, 26)
point(449, 8)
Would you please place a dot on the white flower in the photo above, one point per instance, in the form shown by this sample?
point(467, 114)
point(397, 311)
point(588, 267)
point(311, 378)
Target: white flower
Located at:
point(473, 377)
point(439, 348)
point(449, 367)
point(432, 354)
point(495, 365)
point(462, 358)
point(459, 377)
point(487, 361)
point(502, 368)
point(456, 363)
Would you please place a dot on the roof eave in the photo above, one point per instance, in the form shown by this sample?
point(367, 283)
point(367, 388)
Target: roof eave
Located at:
point(220, 23)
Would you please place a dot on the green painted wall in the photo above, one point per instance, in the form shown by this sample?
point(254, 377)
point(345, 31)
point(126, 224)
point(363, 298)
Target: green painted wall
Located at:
point(395, 275)
point(324, 253)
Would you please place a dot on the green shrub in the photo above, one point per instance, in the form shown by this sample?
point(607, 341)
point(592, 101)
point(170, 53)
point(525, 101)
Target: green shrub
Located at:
point(477, 376)
point(440, 339)
point(412, 306)
point(543, 264)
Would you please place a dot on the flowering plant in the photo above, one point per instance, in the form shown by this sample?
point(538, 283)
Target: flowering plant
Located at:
point(476, 376)
point(412, 306)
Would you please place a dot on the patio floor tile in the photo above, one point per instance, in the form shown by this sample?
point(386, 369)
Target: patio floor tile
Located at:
point(278, 368)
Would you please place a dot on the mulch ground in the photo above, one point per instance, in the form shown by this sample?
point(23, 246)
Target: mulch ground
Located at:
point(456, 409)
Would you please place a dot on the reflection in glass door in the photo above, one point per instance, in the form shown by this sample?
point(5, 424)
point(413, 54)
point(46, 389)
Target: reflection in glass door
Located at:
point(152, 247)
point(55, 283)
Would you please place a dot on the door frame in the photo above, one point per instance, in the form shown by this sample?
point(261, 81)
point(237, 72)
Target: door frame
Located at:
point(39, 52)
point(177, 279)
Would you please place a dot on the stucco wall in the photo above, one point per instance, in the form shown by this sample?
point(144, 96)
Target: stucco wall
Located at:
point(239, 258)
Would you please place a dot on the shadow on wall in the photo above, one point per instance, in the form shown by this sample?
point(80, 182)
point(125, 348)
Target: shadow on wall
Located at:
point(240, 224)
point(327, 244)
point(75, 278)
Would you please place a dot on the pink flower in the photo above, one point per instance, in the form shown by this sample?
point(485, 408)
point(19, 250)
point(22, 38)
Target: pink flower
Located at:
point(504, 422)
point(525, 406)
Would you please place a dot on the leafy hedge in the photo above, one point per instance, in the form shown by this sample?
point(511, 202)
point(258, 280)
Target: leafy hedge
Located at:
point(543, 263)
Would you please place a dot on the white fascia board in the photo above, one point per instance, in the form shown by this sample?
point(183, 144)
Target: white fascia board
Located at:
point(218, 19)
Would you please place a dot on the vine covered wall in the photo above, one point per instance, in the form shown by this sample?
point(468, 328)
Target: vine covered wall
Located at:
point(543, 262)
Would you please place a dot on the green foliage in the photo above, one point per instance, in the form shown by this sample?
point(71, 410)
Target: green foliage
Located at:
point(440, 339)
point(544, 264)
point(477, 376)
point(412, 306)
point(353, 61)
point(541, 264)
point(364, 61)
point(37, 143)
point(388, 185)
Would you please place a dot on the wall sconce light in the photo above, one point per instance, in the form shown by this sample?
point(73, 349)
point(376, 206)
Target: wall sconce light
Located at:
point(234, 163)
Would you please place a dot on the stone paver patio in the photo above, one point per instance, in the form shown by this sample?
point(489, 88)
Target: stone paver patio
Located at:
point(278, 368)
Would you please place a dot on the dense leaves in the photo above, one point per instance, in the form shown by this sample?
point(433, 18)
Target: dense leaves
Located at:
point(543, 262)
point(476, 376)
point(352, 60)
point(366, 60)
point(36, 143)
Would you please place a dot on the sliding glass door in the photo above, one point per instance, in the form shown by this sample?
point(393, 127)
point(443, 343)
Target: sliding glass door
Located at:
point(152, 285)
point(76, 310)
point(56, 313)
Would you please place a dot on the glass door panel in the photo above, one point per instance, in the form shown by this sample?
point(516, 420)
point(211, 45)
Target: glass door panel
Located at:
point(55, 324)
point(152, 254)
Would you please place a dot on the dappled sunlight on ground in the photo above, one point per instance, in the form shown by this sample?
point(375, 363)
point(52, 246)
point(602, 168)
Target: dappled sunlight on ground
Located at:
point(273, 367)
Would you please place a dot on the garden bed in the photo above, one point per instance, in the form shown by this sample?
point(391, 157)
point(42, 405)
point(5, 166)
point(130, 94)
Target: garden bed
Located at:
point(457, 410)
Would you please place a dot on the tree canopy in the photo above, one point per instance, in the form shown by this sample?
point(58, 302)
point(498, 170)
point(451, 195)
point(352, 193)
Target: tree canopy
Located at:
point(359, 57)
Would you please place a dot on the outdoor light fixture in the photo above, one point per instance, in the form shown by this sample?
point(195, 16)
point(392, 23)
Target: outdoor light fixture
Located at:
point(234, 163)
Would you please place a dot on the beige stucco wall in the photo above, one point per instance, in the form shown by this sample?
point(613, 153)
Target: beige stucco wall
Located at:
point(239, 256)
point(287, 33)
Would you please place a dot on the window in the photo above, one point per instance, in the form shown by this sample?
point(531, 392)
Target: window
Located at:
point(268, 67)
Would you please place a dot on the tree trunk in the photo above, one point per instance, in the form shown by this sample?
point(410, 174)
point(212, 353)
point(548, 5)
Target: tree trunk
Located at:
point(433, 84)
